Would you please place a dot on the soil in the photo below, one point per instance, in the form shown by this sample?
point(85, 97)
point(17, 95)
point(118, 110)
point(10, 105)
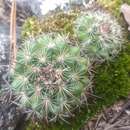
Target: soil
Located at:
point(116, 117)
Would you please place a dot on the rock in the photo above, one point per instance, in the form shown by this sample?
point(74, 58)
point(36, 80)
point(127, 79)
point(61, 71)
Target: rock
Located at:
point(5, 39)
point(4, 50)
point(7, 110)
point(23, 11)
point(39, 7)
point(10, 115)
point(42, 7)
point(125, 9)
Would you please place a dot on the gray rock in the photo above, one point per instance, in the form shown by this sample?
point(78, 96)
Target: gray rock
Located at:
point(125, 9)
point(42, 7)
point(23, 11)
point(10, 115)
point(4, 50)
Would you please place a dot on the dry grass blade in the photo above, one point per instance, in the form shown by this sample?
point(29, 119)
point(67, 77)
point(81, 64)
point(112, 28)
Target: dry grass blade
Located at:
point(13, 47)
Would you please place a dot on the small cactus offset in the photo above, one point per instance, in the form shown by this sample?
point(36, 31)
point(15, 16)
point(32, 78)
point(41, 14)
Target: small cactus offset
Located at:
point(50, 77)
point(99, 34)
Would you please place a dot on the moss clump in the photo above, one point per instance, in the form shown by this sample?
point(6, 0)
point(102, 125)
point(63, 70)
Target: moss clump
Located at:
point(58, 22)
point(31, 28)
point(34, 127)
point(112, 81)
point(113, 5)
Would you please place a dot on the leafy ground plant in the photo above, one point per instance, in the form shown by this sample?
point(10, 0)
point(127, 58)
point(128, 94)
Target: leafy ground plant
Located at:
point(100, 35)
point(50, 77)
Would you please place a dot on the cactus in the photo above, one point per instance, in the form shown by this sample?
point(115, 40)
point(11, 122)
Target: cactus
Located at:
point(50, 77)
point(99, 34)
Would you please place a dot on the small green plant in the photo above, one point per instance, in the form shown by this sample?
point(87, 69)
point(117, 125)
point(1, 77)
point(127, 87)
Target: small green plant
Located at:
point(58, 22)
point(31, 28)
point(99, 34)
point(50, 77)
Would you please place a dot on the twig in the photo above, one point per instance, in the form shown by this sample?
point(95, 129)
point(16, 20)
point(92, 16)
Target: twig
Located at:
point(13, 47)
point(120, 113)
point(98, 120)
point(111, 126)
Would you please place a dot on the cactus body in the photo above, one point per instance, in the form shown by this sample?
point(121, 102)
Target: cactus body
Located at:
point(50, 76)
point(100, 35)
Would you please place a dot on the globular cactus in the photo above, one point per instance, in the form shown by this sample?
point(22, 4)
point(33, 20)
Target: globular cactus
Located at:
point(100, 35)
point(50, 76)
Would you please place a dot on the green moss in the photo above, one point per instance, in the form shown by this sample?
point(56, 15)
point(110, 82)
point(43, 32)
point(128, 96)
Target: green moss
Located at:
point(113, 5)
point(34, 126)
point(31, 28)
point(58, 22)
point(112, 82)
point(113, 79)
